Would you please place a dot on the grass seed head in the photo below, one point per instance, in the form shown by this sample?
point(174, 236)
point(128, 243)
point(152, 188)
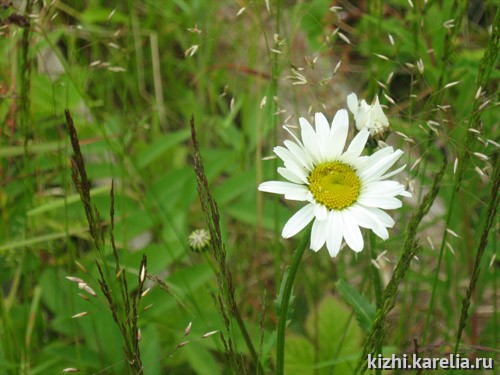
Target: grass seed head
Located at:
point(208, 334)
point(188, 329)
point(74, 279)
point(80, 315)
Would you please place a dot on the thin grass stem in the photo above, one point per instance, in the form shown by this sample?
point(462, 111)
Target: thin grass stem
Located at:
point(492, 210)
point(485, 68)
point(410, 249)
point(284, 300)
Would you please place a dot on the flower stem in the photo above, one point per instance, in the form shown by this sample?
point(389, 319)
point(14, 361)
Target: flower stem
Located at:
point(284, 300)
point(377, 282)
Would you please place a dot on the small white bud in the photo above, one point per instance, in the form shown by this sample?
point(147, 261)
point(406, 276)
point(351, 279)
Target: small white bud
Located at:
point(263, 102)
point(344, 38)
point(79, 315)
point(184, 343)
point(191, 51)
point(208, 334)
point(75, 279)
point(478, 93)
point(367, 116)
point(89, 290)
point(452, 233)
point(383, 57)
point(337, 67)
point(188, 329)
point(391, 39)
point(451, 84)
point(481, 156)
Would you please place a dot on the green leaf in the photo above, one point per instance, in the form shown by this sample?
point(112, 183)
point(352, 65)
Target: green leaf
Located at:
point(151, 351)
point(202, 360)
point(364, 310)
point(240, 184)
point(61, 202)
point(331, 326)
point(299, 356)
point(160, 147)
point(279, 299)
point(41, 239)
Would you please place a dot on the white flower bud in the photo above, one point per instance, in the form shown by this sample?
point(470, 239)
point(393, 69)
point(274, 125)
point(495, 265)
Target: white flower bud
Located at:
point(367, 116)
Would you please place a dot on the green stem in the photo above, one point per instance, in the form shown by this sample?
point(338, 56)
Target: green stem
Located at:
point(377, 282)
point(490, 218)
point(377, 285)
point(284, 300)
point(486, 66)
point(438, 268)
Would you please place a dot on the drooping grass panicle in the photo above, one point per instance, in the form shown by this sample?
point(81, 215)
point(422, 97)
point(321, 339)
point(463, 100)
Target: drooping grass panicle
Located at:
point(490, 218)
point(487, 63)
point(82, 184)
point(225, 299)
point(124, 310)
point(449, 42)
point(26, 68)
point(410, 249)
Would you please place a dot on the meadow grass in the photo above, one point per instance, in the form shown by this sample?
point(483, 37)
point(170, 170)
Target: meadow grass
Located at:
point(126, 126)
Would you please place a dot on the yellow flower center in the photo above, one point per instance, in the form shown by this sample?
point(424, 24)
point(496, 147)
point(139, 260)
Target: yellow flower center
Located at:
point(334, 185)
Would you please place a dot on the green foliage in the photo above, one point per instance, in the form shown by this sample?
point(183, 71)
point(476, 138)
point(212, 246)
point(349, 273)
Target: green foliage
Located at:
point(331, 342)
point(364, 310)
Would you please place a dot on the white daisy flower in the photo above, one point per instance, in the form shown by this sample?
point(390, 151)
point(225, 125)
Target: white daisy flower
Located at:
point(344, 191)
point(367, 116)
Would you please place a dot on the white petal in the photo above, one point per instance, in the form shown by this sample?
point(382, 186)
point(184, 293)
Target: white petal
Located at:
point(364, 105)
point(322, 131)
point(383, 216)
point(289, 175)
point(406, 194)
point(366, 219)
point(318, 234)
point(335, 233)
point(355, 161)
point(352, 102)
point(382, 232)
point(293, 135)
point(298, 221)
point(352, 233)
point(286, 156)
point(310, 139)
point(338, 134)
point(358, 143)
point(320, 211)
point(291, 163)
point(377, 156)
point(384, 188)
point(296, 196)
point(378, 113)
point(376, 171)
point(387, 203)
point(300, 154)
point(282, 187)
point(394, 172)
